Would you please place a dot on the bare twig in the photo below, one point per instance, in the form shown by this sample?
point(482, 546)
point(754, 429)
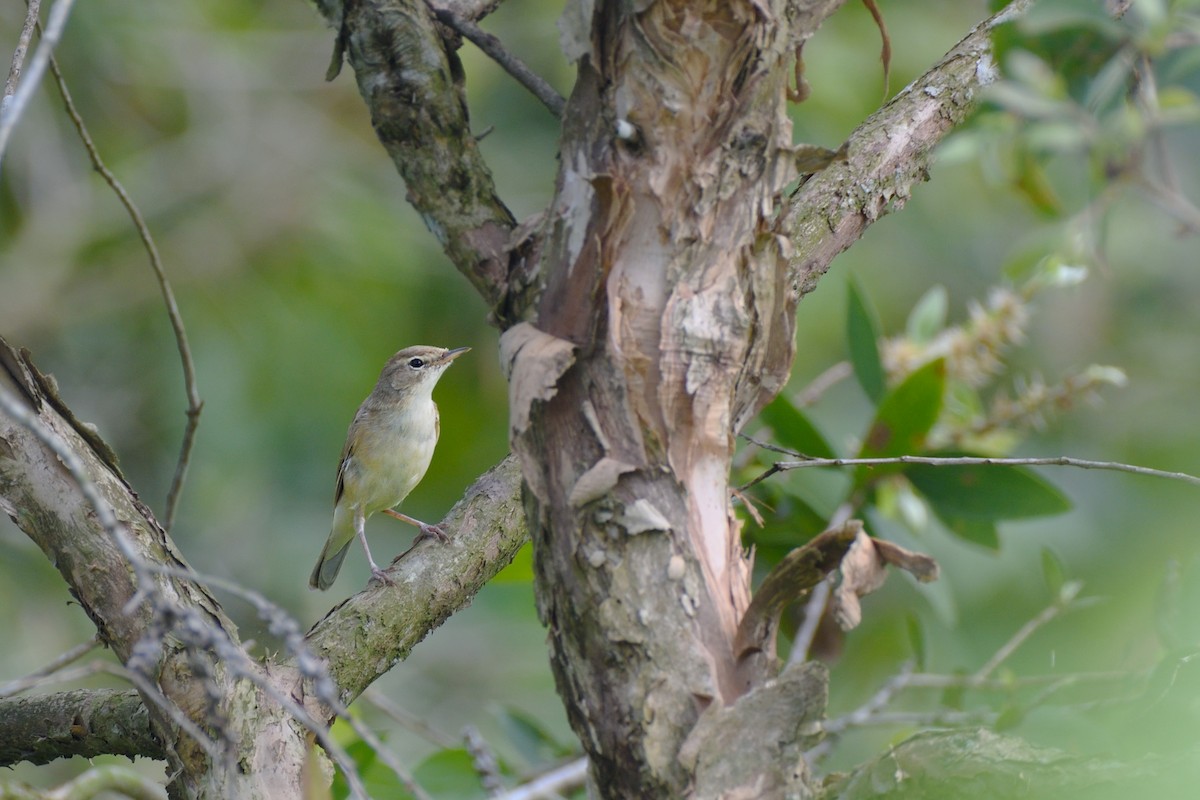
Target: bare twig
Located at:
point(116, 778)
point(195, 404)
point(885, 53)
point(965, 461)
point(871, 713)
point(18, 59)
point(777, 448)
point(494, 49)
point(383, 754)
point(20, 685)
point(408, 720)
point(927, 680)
point(560, 780)
point(1060, 604)
point(814, 609)
point(32, 679)
point(817, 387)
point(874, 706)
point(14, 105)
point(13, 407)
point(483, 759)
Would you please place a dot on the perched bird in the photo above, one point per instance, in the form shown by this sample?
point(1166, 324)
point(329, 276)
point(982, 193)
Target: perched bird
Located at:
point(388, 448)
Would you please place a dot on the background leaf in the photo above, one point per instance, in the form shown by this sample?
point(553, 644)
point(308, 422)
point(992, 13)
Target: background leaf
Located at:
point(862, 336)
point(928, 316)
point(903, 420)
point(449, 773)
point(794, 430)
point(987, 492)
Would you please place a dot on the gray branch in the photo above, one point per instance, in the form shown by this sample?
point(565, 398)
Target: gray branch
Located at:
point(84, 723)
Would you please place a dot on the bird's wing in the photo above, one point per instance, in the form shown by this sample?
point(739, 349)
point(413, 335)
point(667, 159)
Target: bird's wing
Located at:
point(347, 454)
point(341, 478)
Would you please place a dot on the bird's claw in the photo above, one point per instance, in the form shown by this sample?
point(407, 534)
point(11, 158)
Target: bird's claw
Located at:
point(381, 576)
point(433, 532)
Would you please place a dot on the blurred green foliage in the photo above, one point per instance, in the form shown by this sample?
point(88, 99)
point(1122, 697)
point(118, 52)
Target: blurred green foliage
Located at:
point(299, 269)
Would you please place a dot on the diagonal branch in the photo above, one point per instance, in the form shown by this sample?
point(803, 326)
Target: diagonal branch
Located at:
point(413, 87)
point(18, 59)
point(369, 633)
point(514, 66)
point(84, 723)
point(888, 154)
point(12, 106)
point(195, 404)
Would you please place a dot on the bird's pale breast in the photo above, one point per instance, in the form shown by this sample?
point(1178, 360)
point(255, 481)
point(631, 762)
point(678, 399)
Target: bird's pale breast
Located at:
point(385, 466)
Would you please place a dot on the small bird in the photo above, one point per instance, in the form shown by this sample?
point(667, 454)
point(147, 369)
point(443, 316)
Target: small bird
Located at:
point(388, 448)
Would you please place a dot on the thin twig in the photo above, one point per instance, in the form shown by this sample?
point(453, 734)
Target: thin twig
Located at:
point(966, 461)
point(15, 408)
point(777, 448)
point(18, 59)
point(871, 712)
point(870, 709)
point(195, 404)
point(1060, 604)
point(928, 680)
point(483, 759)
point(15, 104)
point(814, 609)
point(817, 387)
point(386, 756)
point(32, 679)
point(560, 780)
point(14, 688)
point(409, 720)
point(494, 49)
point(110, 780)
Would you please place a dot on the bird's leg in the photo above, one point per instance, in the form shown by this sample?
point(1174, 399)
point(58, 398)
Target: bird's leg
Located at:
point(360, 528)
point(427, 531)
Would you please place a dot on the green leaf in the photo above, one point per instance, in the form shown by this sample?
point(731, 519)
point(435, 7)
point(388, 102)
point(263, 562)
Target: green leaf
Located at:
point(981, 532)
point(364, 758)
point(520, 570)
point(1009, 718)
point(987, 492)
point(530, 738)
point(1053, 571)
point(928, 316)
point(449, 773)
point(790, 522)
point(916, 639)
point(903, 419)
point(794, 430)
point(862, 335)
point(954, 695)
point(378, 779)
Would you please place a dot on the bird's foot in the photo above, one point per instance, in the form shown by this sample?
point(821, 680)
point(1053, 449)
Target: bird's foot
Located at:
point(381, 576)
point(432, 532)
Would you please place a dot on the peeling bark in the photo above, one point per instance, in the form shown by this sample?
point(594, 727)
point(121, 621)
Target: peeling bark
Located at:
point(670, 284)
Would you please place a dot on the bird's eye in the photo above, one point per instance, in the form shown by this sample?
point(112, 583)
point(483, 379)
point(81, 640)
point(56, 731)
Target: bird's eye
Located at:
point(416, 363)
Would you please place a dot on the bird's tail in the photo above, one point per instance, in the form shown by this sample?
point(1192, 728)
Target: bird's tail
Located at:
point(334, 552)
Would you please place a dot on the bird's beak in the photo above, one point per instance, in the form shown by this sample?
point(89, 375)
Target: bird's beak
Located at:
point(455, 353)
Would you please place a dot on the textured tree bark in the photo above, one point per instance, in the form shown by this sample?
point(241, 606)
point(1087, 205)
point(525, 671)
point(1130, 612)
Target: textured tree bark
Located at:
point(666, 322)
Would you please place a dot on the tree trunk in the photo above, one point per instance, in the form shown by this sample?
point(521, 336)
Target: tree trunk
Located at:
point(666, 322)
